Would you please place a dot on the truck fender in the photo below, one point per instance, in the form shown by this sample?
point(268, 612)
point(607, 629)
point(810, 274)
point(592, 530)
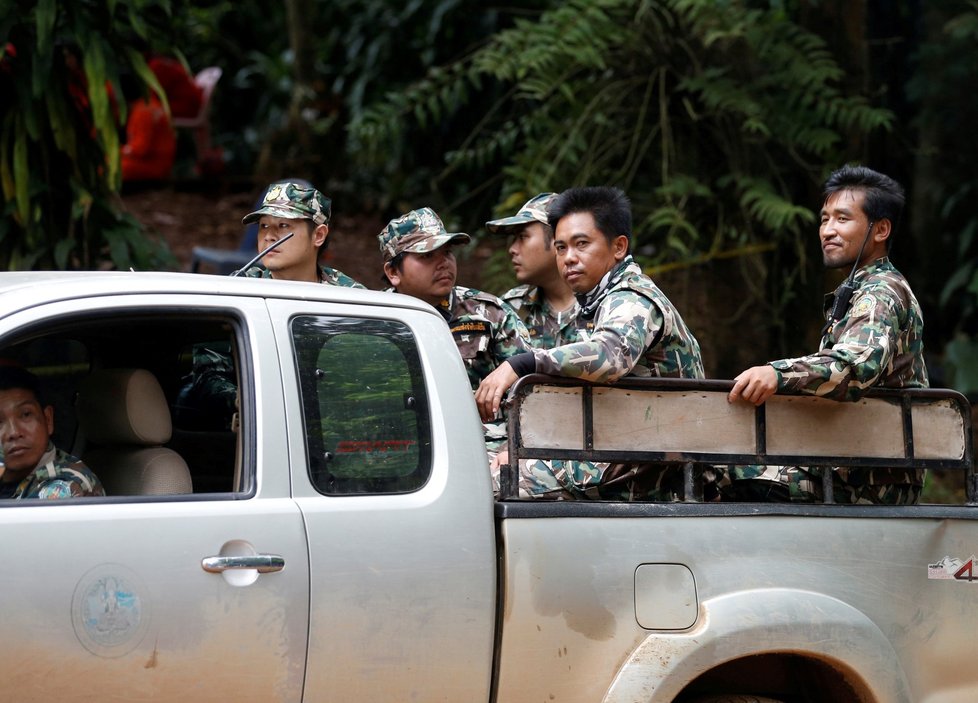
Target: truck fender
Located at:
point(763, 621)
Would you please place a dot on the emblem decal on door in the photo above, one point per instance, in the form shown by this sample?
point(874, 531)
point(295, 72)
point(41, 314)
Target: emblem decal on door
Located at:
point(109, 610)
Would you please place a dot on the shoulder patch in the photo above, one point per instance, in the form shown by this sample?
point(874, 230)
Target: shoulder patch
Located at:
point(863, 305)
point(516, 293)
point(483, 296)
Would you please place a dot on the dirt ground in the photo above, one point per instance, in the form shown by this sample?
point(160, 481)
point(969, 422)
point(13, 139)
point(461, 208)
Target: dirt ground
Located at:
point(186, 219)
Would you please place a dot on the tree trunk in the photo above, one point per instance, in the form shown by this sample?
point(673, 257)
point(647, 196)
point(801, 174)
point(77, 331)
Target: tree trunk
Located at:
point(289, 149)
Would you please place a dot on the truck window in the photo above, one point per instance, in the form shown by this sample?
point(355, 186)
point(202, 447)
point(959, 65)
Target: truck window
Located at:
point(76, 356)
point(364, 405)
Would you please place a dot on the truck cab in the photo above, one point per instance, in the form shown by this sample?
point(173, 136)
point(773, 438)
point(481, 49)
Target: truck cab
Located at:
point(332, 541)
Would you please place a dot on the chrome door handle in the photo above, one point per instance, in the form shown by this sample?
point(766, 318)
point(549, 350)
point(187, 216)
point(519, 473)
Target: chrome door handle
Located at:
point(263, 563)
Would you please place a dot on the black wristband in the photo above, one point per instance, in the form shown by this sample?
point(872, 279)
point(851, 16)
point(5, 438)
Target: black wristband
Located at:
point(523, 363)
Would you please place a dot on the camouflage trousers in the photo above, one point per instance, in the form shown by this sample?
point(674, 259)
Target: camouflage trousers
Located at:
point(797, 484)
point(584, 480)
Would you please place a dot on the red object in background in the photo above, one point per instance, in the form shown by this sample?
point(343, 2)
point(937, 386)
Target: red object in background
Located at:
point(9, 52)
point(151, 142)
point(183, 94)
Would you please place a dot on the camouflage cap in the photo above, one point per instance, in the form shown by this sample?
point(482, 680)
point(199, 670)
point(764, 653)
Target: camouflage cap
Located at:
point(294, 202)
point(535, 210)
point(417, 232)
point(205, 359)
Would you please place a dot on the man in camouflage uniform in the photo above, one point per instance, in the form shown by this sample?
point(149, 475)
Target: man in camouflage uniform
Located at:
point(32, 467)
point(543, 300)
point(208, 399)
point(419, 261)
point(293, 208)
point(875, 339)
point(636, 332)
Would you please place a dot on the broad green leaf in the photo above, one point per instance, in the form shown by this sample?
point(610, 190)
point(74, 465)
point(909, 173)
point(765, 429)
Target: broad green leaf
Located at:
point(142, 70)
point(22, 176)
point(62, 250)
point(955, 281)
point(63, 124)
point(45, 14)
point(6, 159)
point(136, 20)
point(961, 355)
point(118, 249)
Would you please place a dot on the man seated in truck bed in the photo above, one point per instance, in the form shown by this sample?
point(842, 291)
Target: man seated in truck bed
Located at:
point(873, 336)
point(637, 331)
point(419, 260)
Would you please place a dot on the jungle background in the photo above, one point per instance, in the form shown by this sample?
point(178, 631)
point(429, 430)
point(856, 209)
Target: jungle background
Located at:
point(720, 119)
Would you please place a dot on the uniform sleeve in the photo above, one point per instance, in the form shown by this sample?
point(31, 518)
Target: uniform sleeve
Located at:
point(341, 279)
point(867, 341)
point(627, 324)
point(69, 480)
point(511, 336)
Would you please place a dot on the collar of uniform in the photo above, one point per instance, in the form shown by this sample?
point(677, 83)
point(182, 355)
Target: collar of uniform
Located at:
point(534, 296)
point(874, 266)
point(589, 301)
point(45, 467)
point(447, 306)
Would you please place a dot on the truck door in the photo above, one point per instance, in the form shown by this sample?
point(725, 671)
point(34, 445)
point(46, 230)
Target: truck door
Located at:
point(396, 499)
point(167, 597)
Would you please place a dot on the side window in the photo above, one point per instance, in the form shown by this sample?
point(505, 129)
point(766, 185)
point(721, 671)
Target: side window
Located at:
point(173, 375)
point(364, 405)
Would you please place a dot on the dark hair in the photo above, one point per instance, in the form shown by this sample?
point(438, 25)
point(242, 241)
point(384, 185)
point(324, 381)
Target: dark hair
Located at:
point(548, 235)
point(610, 208)
point(396, 263)
point(883, 197)
point(17, 377)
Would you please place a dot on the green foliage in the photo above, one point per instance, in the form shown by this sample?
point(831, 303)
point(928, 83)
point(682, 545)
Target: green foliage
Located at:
point(947, 104)
point(715, 117)
point(363, 50)
point(370, 50)
point(960, 355)
point(62, 70)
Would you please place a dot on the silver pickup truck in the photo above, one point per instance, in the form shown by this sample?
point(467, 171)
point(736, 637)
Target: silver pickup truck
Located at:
point(328, 531)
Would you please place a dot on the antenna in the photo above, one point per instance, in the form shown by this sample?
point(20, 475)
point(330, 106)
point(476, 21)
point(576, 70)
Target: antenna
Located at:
point(262, 253)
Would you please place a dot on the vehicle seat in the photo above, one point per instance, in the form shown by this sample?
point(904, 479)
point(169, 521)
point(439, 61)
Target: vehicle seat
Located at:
point(125, 419)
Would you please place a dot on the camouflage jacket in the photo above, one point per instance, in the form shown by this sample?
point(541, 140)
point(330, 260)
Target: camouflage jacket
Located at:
point(327, 275)
point(486, 330)
point(208, 398)
point(59, 475)
point(547, 329)
point(637, 331)
point(878, 342)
